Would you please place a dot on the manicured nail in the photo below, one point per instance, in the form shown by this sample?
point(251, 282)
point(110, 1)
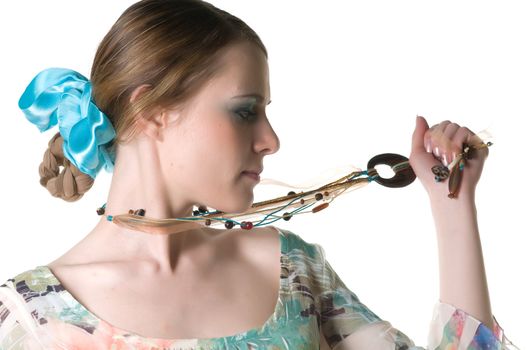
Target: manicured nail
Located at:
point(445, 161)
point(436, 151)
point(428, 147)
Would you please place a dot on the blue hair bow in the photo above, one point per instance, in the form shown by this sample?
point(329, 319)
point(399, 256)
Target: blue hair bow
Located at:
point(63, 96)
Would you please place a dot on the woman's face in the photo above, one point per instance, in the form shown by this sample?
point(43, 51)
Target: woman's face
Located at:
point(222, 132)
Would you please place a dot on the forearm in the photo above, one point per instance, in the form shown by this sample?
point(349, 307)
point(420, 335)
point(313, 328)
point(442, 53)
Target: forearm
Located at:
point(463, 281)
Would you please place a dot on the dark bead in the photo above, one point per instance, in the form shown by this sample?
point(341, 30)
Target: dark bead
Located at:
point(140, 212)
point(318, 196)
point(291, 193)
point(247, 225)
point(287, 216)
point(302, 201)
point(207, 222)
point(195, 213)
point(203, 209)
point(229, 224)
point(100, 211)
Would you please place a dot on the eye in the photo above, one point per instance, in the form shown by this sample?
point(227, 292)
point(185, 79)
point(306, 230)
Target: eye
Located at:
point(245, 114)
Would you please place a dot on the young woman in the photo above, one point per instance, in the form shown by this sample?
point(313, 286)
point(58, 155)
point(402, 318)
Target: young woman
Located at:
point(175, 106)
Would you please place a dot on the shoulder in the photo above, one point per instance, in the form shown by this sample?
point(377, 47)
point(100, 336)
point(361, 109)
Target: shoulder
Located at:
point(22, 304)
point(16, 291)
point(271, 236)
point(32, 280)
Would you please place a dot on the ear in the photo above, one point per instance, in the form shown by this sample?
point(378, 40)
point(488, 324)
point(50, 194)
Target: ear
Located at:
point(152, 126)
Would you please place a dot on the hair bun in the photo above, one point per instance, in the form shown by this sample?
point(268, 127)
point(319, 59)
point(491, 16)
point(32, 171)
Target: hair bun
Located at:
point(70, 183)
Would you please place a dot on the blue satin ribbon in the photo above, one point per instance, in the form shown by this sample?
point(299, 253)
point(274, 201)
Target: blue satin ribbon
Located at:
point(63, 96)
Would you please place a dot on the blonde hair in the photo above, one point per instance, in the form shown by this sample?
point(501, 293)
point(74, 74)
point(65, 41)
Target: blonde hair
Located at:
point(173, 47)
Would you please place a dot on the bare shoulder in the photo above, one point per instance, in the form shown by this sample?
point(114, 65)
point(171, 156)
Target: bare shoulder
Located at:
point(261, 243)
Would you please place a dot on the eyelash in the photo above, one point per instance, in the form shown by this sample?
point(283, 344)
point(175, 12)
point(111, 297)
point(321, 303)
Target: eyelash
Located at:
point(245, 117)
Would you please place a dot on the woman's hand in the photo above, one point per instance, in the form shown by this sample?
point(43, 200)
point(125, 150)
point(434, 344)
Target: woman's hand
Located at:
point(439, 145)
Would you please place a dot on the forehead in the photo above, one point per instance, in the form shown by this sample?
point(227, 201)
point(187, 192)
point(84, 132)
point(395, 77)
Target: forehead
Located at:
point(242, 69)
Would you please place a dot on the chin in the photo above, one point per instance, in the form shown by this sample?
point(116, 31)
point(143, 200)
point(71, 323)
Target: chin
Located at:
point(239, 206)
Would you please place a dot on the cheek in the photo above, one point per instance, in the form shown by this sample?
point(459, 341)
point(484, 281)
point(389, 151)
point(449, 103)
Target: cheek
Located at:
point(216, 149)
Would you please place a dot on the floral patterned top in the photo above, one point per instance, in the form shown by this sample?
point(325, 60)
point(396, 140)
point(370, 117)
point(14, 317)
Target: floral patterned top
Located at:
point(36, 312)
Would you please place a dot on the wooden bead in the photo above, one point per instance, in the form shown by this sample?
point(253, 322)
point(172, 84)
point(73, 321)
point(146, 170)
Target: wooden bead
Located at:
point(326, 193)
point(318, 196)
point(131, 211)
point(320, 207)
point(302, 201)
point(207, 222)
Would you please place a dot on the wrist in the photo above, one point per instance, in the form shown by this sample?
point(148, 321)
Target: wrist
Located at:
point(463, 202)
point(440, 196)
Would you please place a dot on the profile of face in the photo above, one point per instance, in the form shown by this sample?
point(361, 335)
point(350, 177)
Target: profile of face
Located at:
point(222, 131)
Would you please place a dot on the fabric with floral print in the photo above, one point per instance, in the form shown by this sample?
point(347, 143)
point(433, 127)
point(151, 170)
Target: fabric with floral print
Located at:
point(37, 312)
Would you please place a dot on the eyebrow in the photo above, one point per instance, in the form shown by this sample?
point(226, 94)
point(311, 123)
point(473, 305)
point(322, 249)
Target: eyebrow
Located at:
point(258, 97)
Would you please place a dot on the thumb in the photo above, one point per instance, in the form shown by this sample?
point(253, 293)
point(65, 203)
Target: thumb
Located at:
point(421, 126)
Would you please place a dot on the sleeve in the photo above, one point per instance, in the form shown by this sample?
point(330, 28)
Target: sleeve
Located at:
point(348, 324)
point(17, 327)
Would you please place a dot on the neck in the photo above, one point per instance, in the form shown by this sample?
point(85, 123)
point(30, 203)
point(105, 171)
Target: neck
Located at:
point(137, 184)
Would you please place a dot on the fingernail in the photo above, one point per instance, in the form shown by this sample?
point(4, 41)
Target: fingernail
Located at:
point(436, 151)
point(445, 162)
point(428, 147)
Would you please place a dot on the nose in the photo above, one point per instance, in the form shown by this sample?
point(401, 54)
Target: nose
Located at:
point(267, 141)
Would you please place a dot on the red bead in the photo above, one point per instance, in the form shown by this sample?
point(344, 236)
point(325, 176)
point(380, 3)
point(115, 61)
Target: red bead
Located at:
point(247, 225)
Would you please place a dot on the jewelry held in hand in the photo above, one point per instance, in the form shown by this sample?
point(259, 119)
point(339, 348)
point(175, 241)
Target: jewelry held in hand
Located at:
point(269, 211)
point(454, 170)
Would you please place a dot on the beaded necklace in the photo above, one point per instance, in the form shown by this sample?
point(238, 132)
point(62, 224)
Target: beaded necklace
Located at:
point(309, 201)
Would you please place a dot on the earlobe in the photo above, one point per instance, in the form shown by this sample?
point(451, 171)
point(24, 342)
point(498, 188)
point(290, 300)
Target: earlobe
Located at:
point(154, 128)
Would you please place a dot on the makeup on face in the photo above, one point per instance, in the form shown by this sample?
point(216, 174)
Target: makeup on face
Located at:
point(245, 109)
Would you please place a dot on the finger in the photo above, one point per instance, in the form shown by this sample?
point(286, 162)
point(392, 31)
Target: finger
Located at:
point(434, 136)
point(467, 137)
point(421, 126)
point(446, 145)
point(440, 128)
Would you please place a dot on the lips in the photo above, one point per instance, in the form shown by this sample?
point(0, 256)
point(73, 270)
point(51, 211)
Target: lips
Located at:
point(254, 171)
point(252, 174)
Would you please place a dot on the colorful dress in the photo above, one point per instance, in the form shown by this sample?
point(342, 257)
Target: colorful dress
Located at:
point(36, 312)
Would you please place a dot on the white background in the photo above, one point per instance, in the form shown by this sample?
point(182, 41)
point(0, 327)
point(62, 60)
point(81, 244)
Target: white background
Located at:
point(347, 80)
